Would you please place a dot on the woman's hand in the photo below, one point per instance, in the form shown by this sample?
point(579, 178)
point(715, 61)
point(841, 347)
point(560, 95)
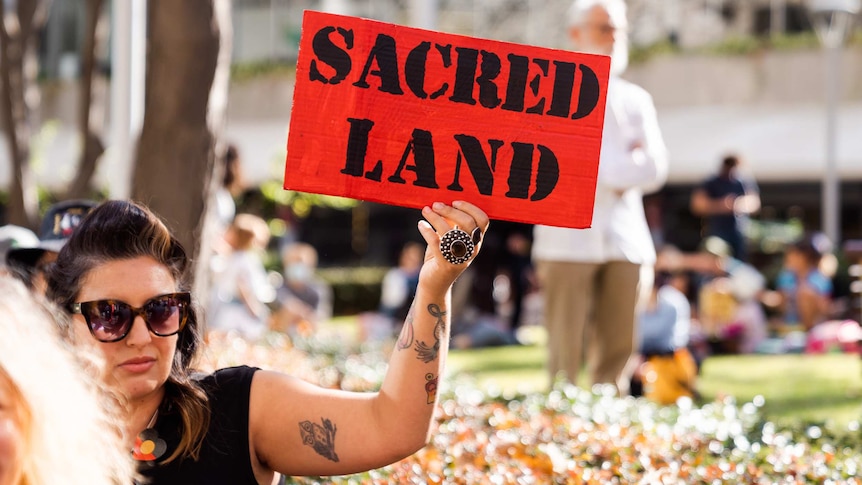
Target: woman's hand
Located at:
point(438, 274)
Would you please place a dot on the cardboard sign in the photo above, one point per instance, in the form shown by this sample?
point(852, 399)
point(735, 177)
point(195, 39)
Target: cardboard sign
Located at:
point(405, 116)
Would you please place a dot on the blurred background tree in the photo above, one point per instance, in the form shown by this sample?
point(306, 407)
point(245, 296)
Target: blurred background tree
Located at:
point(91, 101)
point(188, 70)
point(188, 49)
point(19, 27)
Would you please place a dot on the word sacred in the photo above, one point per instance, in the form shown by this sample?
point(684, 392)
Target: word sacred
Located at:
point(333, 64)
point(404, 116)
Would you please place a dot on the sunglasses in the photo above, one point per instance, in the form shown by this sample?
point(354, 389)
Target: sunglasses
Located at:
point(111, 320)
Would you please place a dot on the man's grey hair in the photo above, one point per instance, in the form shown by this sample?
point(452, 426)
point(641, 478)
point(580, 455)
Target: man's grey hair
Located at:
point(615, 8)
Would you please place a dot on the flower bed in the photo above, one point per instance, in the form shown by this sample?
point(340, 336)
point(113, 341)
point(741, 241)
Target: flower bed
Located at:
point(570, 435)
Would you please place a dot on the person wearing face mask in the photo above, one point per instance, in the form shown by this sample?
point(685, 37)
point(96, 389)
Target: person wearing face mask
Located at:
point(304, 299)
point(593, 279)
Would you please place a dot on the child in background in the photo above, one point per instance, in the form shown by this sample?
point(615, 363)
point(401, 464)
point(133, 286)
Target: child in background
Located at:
point(804, 290)
point(668, 370)
point(241, 290)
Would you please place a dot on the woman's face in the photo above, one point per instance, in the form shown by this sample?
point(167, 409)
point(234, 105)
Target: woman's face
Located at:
point(139, 364)
point(11, 435)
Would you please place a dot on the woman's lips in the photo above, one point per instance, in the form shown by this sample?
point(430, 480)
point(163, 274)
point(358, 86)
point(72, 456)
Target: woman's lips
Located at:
point(138, 364)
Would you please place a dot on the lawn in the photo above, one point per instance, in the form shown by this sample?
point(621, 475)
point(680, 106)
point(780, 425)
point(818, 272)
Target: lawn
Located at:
point(796, 387)
point(825, 388)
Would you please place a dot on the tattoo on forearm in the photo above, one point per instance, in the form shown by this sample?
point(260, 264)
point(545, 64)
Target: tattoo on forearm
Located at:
point(426, 352)
point(431, 387)
point(405, 340)
point(321, 438)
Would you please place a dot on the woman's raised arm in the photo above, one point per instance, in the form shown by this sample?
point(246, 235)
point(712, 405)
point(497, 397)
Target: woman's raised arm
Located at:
point(296, 428)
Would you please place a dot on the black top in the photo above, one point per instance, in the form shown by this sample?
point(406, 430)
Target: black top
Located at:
point(723, 225)
point(224, 457)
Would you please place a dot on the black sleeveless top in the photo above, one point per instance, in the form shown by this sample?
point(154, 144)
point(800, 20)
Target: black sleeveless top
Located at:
point(224, 457)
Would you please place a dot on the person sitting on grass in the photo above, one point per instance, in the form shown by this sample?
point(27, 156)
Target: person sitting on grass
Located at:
point(667, 370)
point(804, 291)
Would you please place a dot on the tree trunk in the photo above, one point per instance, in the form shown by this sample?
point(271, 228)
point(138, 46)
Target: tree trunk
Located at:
point(188, 61)
point(18, 69)
point(88, 103)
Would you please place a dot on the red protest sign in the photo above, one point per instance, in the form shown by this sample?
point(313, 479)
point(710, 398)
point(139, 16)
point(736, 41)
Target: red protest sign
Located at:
point(405, 116)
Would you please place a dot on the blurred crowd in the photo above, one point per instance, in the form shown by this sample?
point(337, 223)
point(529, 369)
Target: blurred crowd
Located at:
point(695, 303)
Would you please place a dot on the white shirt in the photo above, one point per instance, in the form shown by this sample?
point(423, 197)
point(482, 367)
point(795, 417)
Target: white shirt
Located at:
point(227, 312)
point(619, 229)
point(682, 327)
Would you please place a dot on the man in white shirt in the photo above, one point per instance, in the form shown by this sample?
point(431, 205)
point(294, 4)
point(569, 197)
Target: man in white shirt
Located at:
point(592, 279)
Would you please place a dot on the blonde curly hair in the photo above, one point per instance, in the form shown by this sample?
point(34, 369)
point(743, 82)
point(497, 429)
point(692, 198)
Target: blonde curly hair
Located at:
point(69, 430)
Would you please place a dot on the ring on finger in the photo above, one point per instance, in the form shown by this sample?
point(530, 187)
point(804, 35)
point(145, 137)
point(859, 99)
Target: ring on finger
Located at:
point(457, 246)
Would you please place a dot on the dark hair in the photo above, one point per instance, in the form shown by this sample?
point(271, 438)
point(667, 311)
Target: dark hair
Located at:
point(231, 179)
point(729, 162)
point(813, 247)
point(119, 230)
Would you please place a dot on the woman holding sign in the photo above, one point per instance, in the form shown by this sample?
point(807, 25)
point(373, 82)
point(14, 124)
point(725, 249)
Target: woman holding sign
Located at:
point(123, 277)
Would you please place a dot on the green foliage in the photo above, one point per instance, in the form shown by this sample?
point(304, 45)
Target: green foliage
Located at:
point(738, 46)
point(354, 290)
point(249, 70)
point(803, 40)
point(642, 54)
point(302, 202)
point(771, 236)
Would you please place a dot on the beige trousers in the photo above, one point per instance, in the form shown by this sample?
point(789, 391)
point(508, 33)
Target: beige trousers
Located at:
point(590, 314)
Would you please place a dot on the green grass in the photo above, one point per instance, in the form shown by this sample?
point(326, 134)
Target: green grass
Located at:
point(797, 388)
point(520, 369)
point(825, 388)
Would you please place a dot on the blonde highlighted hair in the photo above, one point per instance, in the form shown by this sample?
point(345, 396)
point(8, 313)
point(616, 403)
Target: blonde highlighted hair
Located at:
point(71, 432)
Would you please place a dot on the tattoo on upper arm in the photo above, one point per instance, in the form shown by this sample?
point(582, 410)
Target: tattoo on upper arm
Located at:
point(321, 438)
point(426, 352)
point(405, 340)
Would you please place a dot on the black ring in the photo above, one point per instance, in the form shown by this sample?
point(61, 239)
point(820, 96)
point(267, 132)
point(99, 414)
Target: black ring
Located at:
point(457, 246)
point(476, 236)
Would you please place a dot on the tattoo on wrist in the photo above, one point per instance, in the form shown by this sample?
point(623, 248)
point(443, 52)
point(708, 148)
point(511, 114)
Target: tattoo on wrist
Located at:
point(405, 340)
point(321, 438)
point(427, 353)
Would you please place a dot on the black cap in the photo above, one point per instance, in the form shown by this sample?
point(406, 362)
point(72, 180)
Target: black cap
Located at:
point(60, 220)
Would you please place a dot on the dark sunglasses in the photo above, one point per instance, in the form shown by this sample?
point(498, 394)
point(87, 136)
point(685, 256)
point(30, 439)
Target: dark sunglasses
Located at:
point(111, 320)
